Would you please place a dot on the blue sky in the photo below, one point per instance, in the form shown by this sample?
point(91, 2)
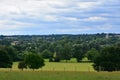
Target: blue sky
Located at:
point(28, 17)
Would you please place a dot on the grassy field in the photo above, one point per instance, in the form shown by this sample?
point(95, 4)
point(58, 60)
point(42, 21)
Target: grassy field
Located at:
point(58, 71)
point(61, 66)
point(58, 75)
point(55, 66)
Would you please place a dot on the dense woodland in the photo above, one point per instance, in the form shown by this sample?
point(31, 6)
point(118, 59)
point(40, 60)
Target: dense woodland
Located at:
point(57, 47)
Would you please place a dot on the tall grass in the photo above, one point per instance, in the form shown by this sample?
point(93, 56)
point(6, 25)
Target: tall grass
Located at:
point(58, 71)
point(58, 75)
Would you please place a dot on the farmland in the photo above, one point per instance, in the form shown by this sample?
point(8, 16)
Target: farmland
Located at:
point(51, 66)
point(72, 65)
point(58, 71)
point(58, 75)
point(69, 57)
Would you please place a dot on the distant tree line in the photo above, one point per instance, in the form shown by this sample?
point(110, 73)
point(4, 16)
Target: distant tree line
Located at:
point(59, 47)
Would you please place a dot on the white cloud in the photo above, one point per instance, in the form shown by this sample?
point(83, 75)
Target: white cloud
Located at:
point(13, 25)
point(72, 19)
point(15, 14)
point(95, 18)
point(35, 8)
point(50, 18)
point(88, 5)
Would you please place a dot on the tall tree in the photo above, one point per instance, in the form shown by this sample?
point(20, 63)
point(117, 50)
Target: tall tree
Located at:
point(46, 54)
point(108, 59)
point(34, 61)
point(12, 52)
point(91, 54)
point(66, 52)
point(22, 65)
point(77, 52)
point(5, 60)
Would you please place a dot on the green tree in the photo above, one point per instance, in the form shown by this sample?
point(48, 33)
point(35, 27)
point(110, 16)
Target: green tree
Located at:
point(77, 52)
point(5, 60)
point(22, 65)
point(108, 59)
point(46, 54)
point(57, 55)
point(34, 61)
point(66, 52)
point(12, 52)
point(91, 54)
point(63, 52)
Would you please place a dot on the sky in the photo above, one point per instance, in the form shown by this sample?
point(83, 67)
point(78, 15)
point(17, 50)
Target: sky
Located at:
point(36, 17)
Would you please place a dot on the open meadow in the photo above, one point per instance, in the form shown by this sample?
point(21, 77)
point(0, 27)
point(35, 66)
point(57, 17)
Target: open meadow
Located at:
point(58, 75)
point(55, 66)
point(58, 71)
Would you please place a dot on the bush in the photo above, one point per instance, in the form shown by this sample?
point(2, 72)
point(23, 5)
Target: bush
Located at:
point(56, 59)
point(51, 60)
point(22, 65)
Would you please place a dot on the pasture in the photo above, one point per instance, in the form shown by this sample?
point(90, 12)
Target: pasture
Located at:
point(55, 66)
point(58, 71)
point(71, 65)
point(58, 75)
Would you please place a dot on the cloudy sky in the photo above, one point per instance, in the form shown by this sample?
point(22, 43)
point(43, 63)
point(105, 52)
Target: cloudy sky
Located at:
point(59, 16)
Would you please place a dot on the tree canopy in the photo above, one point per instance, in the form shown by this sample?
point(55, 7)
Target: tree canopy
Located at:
point(91, 54)
point(34, 61)
point(5, 60)
point(22, 65)
point(108, 59)
point(77, 52)
point(64, 46)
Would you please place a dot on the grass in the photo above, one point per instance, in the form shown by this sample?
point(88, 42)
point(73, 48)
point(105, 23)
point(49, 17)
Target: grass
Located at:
point(71, 65)
point(68, 66)
point(61, 66)
point(58, 71)
point(58, 75)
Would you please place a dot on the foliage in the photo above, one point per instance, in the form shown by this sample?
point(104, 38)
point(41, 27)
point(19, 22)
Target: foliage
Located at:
point(91, 54)
point(5, 60)
point(34, 61)
point(46, 54)
point(77, 52)
point(12, 52)
point(56, 59)
point(63, 45)
point(108, 59)
point(22, 65)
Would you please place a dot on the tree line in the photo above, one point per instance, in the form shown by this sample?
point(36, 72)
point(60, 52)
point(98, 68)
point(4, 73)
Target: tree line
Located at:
point(59, 47)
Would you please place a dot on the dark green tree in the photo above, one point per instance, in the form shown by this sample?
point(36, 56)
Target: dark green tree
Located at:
point(46, 54)
point(5, 60)
point(66, 52)
point(63, 52)
point(12, 52)
point(108, 59)
point(77, 52)
point(57, 56)
point(22, 65)
point(34, 61)
point(91, 54)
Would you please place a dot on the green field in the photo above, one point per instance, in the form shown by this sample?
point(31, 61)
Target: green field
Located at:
point(58, 75)
point(53, 66)
point(58, 71)
point(72, 65)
